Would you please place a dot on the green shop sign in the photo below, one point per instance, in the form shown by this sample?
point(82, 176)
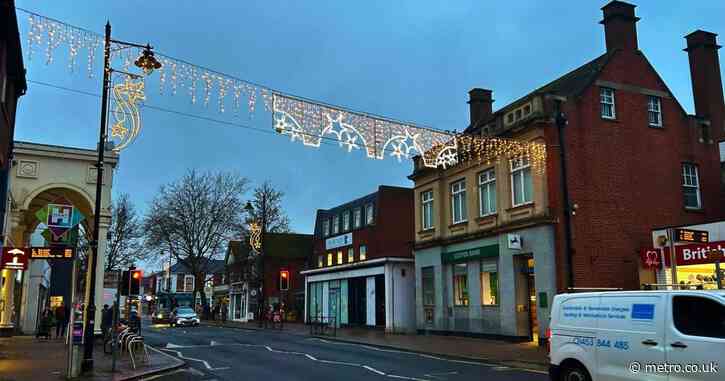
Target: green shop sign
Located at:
point(470, 254)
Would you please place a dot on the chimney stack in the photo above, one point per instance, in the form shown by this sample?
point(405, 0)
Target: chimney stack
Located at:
point(706, 80)
point(481, 104)
point(620, 29)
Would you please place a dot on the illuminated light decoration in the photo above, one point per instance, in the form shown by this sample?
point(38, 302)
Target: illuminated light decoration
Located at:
point(255, 236)
point(311, 122)
point(299, 119)
point(127, 121)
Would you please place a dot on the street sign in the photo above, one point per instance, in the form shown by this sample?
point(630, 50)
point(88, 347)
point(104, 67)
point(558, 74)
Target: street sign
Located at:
point(689, 235)
point(51, 253)
point(14, 258)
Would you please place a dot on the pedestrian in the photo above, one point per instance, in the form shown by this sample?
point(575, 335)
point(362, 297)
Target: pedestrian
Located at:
point(45, 326)
point(206, 311)
point(215, 312)
point(61, 320)
point(106, 319)
point(224, 313)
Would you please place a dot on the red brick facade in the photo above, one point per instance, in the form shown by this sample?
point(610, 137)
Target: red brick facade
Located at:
point(390, 234)
point(625, 177)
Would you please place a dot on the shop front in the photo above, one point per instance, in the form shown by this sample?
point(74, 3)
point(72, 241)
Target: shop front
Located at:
point(696, 265)
point(239, 303)
point(377, 293)
point(499, 286)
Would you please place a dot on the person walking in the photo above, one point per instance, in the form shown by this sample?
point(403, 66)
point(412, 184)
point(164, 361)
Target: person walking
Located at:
point(224, 313)
point(106, 319)
point(61, 320)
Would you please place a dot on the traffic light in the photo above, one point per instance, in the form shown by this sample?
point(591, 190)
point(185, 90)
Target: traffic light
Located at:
point(135, 282)
point(284, 280)
point(124, 282)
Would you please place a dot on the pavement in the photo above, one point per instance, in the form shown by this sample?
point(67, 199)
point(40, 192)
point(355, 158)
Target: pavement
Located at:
point(217, 353)
point(24, 358)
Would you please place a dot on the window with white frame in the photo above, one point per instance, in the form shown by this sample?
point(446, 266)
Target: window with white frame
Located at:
point(691, 186)
point(326, 227)
point(369, 214)
point(188, 283)
point(426, 205)
point(654, 111)
point(521, 182)
point(335, 224)
point(346, 220)
point(606, 99)
point(357, 217)
point(487, 192)
point(458, 201)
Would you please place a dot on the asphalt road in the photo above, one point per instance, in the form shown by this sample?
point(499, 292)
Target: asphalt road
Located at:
point(214, 353)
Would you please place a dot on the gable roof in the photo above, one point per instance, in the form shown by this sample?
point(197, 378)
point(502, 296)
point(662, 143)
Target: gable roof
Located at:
point(570, 84)
point(275, 245)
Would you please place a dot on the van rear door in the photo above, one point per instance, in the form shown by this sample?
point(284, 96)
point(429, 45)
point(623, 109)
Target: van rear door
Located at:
point(631, 329)
point(695, 336)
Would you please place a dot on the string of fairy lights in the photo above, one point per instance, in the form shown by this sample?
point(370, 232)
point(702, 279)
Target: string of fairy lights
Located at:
point(300, 119)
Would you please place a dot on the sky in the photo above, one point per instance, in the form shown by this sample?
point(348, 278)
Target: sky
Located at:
point(407, 60)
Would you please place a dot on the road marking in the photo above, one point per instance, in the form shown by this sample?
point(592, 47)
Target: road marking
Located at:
point(374, 370)
point(193, 371)
point(407, 378)
point(206, 364)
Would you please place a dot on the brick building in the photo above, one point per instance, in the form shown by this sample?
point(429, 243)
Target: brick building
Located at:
point(362, 265)
point(635, 159)
point(281, 253)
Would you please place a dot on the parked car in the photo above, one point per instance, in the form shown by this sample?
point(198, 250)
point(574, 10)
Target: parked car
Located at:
point(636, 335)
point(183, 316)
point(161, 316)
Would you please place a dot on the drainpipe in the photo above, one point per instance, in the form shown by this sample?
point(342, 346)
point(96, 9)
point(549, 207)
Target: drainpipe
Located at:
point(561, 122)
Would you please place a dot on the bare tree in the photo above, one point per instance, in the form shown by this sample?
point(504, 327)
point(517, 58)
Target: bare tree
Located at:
point(268, 210)
point(194, 218)
point(125, 236)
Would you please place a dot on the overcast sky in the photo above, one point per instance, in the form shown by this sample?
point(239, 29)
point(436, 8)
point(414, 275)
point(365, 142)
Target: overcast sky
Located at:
point(409, 60)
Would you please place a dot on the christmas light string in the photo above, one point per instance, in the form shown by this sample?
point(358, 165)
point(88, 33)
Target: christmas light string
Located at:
point(301, 119)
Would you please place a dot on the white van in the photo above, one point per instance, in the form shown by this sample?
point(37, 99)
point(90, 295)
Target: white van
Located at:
point(638, 335)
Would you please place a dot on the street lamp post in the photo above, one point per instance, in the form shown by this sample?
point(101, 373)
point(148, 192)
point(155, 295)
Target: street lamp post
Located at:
point(260, 260)
point(147, 63)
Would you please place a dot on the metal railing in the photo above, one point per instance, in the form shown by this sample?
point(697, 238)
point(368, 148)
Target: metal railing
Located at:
point(323, 325)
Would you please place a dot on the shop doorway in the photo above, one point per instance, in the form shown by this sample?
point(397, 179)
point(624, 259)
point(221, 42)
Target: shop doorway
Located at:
point(380, 300)
point(356, 301)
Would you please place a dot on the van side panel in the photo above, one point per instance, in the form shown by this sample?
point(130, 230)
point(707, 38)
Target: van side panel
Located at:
point(631, 328)
point(573, 330)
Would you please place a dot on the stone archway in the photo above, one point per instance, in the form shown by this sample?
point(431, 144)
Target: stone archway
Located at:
point(42, 174)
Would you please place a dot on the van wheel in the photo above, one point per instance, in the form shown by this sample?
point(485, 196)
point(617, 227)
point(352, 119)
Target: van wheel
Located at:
point(574, 373)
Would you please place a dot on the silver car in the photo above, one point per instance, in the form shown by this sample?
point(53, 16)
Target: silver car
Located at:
point(183, 316)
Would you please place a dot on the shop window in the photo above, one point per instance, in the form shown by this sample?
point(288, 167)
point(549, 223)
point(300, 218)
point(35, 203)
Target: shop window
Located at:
point(357, 218)
point(329, 259)
point(363, 252)
point(321, 261)
point(335, 224)
point(606, 100)
point(489, 282)
point(326, 227)
point(339, 257)
point(369, 214)
point(487, 192)
point(460, 284)
point(709, 321)
point(691, 186)
point(521, 182)
point(458, 202)
point(426, 204)
point(346, 220)
point(428, 285)
point(350, 255)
